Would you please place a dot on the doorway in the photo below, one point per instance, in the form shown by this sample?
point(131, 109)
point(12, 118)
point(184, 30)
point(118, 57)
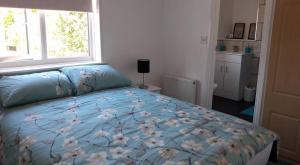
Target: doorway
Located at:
point(238, 56)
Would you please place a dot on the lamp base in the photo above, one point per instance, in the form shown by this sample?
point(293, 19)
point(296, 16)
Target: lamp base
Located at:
point(142, 86)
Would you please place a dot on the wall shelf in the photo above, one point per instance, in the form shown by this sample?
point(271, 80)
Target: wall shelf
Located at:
point(239, 40)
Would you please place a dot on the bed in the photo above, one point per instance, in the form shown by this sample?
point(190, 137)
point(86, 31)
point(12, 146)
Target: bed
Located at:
point(128, 126)
point(92, 115)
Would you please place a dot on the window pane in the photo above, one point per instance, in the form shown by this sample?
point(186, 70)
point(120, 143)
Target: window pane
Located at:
point(15, 44)
point(67, 34)
point(34, 33)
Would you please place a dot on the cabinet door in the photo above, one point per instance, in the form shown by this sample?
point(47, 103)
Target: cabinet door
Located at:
point(219, 75)
point(232, 80)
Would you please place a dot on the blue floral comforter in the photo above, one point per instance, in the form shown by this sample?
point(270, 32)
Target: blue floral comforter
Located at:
point(126, 126)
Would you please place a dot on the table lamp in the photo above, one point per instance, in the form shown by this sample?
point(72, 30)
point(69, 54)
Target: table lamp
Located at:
point(143, 67)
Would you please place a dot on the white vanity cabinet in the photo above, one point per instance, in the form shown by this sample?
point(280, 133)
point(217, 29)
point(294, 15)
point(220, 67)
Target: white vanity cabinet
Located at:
point(232, 74)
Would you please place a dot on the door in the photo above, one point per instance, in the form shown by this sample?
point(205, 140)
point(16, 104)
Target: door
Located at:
point(232, 80)
point(219, 75)
point(281, 108)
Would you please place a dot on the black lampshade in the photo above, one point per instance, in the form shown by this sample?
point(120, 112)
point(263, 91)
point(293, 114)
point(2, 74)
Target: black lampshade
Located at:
point(143, 65)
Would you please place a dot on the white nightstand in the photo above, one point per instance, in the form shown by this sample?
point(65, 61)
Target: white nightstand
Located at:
point(153, 88)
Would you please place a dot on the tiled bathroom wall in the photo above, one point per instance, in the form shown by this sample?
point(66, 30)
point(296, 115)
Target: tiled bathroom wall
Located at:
point(242, 44)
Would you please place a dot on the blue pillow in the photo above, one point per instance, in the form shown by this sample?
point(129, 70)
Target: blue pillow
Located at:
point(29, 88)
point(89, 78)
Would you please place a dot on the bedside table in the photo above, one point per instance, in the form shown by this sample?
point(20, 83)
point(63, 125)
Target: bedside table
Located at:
point(153, 88)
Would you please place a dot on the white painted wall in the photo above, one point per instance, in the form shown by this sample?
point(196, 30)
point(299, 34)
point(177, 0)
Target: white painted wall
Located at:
point(245, 11)
point(168, 32)
point(184, 22)
point(236, 11)
point(226, 18)
point(131, 29)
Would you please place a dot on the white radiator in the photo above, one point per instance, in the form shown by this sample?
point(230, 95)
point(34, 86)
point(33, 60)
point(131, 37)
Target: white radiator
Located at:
point(180, 88)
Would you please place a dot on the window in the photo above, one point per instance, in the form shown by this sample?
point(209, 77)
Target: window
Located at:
point(67, 34)
point(44, 35)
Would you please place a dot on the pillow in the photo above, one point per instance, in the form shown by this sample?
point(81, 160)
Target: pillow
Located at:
point(29, 88)
point(89, 78)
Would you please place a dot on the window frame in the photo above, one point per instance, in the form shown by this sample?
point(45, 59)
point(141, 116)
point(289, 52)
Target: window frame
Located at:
point(44, 60)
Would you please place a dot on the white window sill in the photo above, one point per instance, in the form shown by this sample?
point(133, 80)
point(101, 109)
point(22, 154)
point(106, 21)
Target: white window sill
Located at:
point(39, 68)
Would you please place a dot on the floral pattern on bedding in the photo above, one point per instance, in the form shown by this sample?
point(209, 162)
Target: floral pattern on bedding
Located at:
point(126, 126)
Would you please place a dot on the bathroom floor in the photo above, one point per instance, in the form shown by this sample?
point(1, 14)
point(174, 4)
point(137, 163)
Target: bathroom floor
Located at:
point(232, 107)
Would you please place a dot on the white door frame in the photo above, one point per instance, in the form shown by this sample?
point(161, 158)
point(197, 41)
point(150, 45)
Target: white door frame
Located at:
point(264, 60)
point(211, 60)
point(264, 56)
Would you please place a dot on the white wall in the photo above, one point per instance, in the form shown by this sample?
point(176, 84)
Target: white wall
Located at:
point(245, 11)
point(226, 18)
point(131, 29)
point(236, 11)
point(168, 32)
point(184, 23)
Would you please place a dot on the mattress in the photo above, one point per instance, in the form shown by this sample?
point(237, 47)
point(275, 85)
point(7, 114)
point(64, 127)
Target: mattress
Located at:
point(262, 157)
point(126, 126)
